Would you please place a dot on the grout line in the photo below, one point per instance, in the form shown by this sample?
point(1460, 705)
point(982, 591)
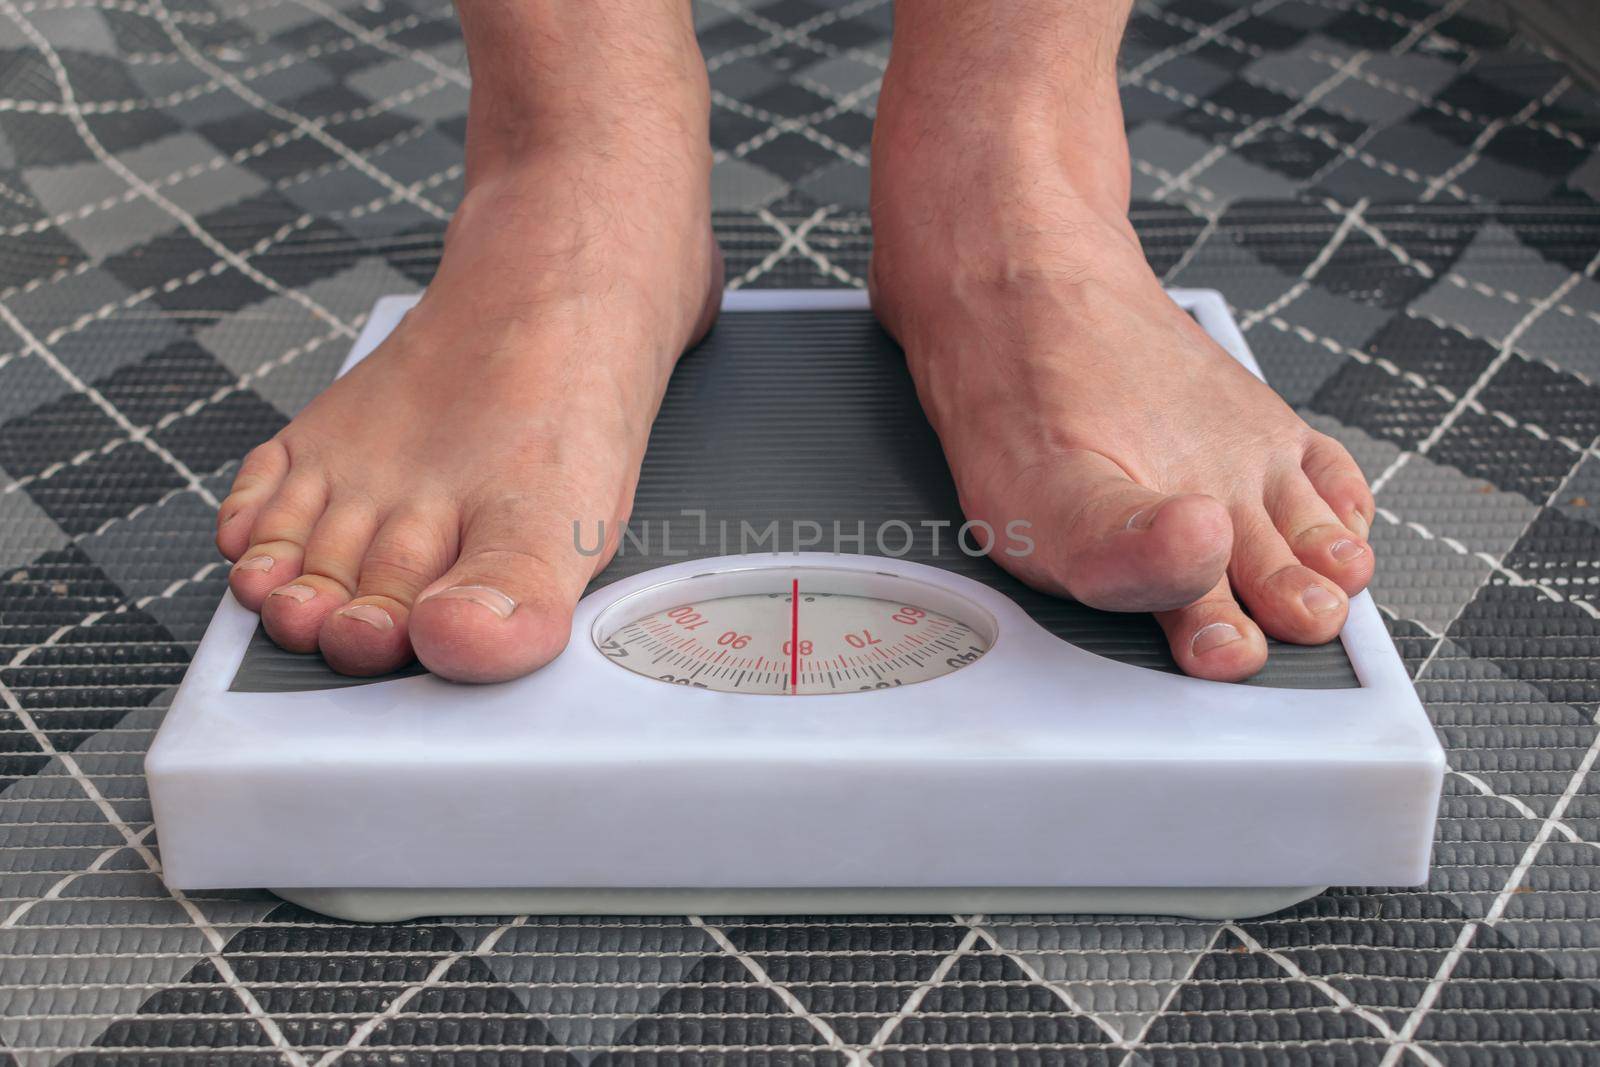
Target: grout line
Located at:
point(379, 39)
point(1341, 74)
point(1507, 349)
point(1340, 234)
point(54, 892)
point(1513, 578)
point(186, 220)
point(1202, 200)
point(191, 93)
point(99, 400)
point(1328, 990)
point(222, 966)
point(788, 239)
point(1489, 133)
point(1183, 261)
point(1424, 100)
point(777, 125)
point(824, 264)
point(1060, 991)
point(194, 407)
point(314, 130)
point(241, 155)
point(1398, 89)
point(1384, 609)
point(22, 655)
point(798, 34)
point(1138, 1039)
point(1353, 150)
point(359, 1036)
point(224, 969)
point(794, 240)
point(1485, 789)
point(1381, 239)
point(1423, 27)
point(1412, 377)
point(1406, 1038)
point(919, 994)
point(217, 267)
point(790, 1001)
point(1459, 280)
point(1196, 40)
point(1394, 18)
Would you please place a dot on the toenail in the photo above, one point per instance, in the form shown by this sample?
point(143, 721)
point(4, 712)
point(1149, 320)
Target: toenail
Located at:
point(298, 593)
point(1359, 524)
point(493, 599)
point(370, 614)
point(1319, 601)
point(1144, 518)
point(255, 563)
point(1345, 551)
point(1214, 635)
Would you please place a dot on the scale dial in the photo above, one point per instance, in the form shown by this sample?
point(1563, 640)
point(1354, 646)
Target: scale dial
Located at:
point(698, 633)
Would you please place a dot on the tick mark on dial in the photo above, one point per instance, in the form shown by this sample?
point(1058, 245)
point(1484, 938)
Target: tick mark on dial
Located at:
point(794, 637)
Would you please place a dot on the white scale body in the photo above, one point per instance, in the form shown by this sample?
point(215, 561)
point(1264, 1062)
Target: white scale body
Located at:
point(939, 751)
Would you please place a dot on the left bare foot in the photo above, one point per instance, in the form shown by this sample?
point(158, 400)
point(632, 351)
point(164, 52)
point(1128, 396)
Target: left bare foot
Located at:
point(1066, 387)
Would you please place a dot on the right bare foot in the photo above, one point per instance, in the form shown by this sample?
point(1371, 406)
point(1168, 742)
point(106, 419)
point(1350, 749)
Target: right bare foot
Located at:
point(425, 502)
point(1066, 388)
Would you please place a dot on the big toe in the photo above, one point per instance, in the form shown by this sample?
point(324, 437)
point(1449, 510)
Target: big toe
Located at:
point(503, 609)
point(1118, 546)
point(1172, 554)
point(471, 629)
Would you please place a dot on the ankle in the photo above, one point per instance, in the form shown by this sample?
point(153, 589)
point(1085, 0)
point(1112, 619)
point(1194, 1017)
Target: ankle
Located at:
point(620, 80)
point(1021, 48)
point(1006, 95)
point(667, 127)
point(548, 241)
point(1075, 145)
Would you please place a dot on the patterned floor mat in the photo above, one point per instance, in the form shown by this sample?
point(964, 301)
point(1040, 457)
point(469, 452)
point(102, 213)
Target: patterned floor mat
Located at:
point(200, 199)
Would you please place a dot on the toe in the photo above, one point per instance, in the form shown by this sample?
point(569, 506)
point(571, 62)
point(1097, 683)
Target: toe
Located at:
point(1287, 599)
point(505, 607)
point(1118, 546)
point(1316, 535)
point(1213, 637)
point(293, 612)
point(258, 479)
point(1339, 481)
point(371, 634)
point(276, 546)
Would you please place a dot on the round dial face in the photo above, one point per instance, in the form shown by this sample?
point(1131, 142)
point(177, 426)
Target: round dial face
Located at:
point(772, 643)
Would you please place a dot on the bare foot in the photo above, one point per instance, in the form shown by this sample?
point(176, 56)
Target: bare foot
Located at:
point(1067, 389)
point(425, 503)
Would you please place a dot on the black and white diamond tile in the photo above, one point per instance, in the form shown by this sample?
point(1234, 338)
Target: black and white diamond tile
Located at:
point(1398, 198)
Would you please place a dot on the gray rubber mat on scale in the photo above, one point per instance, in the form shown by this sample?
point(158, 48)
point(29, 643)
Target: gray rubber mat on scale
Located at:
point(1395, 188)
point(785, 428)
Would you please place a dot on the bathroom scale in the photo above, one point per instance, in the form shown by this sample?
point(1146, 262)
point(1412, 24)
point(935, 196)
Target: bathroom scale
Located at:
point(802, 687)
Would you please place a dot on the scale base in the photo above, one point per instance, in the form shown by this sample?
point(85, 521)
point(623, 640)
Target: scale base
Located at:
point(1208, 902)
point(1066, 762)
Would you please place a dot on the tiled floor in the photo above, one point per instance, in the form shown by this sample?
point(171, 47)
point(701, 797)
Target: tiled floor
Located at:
point(199, 200)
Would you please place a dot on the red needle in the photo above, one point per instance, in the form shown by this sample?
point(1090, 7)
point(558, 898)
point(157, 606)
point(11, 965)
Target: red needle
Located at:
point(794, 638)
